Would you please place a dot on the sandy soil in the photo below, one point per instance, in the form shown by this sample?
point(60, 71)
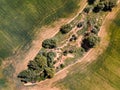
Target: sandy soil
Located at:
point(89, 57)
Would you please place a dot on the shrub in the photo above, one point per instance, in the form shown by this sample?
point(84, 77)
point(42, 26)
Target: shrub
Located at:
point(71, 51)
point(27, 76)
point(65, 53)
point(65, 29)
point(51, 54)
point(95, 31)
point(91, 1)
point(90, 41)
point(50, 58)
point(38, 70)
point(104, 6)
point(73, 38)
point(62, 65)
point(49, 72)
point(87, 10)
point(49, 43)
point(41, 61)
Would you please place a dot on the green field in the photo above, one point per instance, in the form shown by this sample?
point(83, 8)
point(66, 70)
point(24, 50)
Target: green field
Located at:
point(19, 18)
point(104, 73)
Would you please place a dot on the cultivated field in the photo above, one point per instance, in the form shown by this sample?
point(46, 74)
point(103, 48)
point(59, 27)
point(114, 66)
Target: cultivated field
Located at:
point(19, 18)
point(20, 29)
point(20, 22)
point(104, 73)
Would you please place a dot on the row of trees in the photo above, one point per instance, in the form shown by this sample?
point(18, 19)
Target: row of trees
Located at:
point(39, 69)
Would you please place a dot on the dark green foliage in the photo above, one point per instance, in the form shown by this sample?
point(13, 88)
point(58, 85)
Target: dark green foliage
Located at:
point(95, 30)
point(108, 6)
point(38, 63)
point(91, 1)
point(44, 53)
point(50, 58)
point(71, 51)
point(38, 69)
point(49, 72)
point(65, 52)
point(80, 24)
point(33, 65)
point(87, 10)
point(28, 76)
point(99, 7)
point(65, 29)
point(73, 38)
point(62, 65)
point(51, 54)
point(104, 6)
point(90, 41)
point(49, 43)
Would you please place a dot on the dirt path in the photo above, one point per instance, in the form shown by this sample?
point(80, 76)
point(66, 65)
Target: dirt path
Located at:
point(89, 57)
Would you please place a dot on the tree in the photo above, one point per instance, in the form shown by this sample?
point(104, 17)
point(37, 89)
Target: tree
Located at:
point(50, 58)
point(104, 6)
point(49, 43)
point(49, 72)
point(80, 24)
point(109, 5)
point(33, 65)
point(87, 10)
point(90, 41)
point(62, 65)
point(101, 5)
point(27, 76)
point(91, 1)
point(65, 29)
point(95, 30)
point(41, 61)
point(37, 70)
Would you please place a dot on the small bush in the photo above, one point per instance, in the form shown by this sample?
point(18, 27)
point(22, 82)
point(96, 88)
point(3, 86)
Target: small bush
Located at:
point(65, 53)
point(104, 6)
point(71, 51)
point(65, 29)
point(87, 10)
point(73, 38)
point(49, 43)
point(90, 41)
point(50, 58)
point(91, 1)
point(49, 72)
point(62, 65)
point(95, 31)
point(80, 24)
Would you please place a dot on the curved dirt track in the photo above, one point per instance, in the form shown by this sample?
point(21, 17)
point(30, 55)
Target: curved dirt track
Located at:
point(89, 57)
